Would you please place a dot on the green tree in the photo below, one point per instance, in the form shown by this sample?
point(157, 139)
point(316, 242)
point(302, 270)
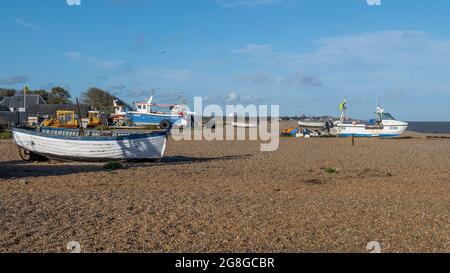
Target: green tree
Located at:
point(43, 93)
point(99, 99)
point(6, 93)
point(59, 95)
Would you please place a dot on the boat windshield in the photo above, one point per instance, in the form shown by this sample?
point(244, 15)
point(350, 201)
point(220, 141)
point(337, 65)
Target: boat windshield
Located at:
point(387, 116)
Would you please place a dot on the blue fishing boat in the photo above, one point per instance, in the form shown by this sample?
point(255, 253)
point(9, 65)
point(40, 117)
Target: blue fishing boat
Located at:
point(145, 115)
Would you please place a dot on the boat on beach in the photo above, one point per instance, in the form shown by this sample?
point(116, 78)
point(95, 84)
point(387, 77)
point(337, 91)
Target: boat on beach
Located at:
point(243, 125)
point(78, 145)
point(242, 122)
point(145, 115)
point(384, 125)
point(311, 124)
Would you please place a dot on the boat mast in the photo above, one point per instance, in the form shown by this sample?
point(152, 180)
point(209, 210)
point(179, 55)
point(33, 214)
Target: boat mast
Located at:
point(25, 91)
point(380, 110)
point(343, 106)
point(150, 101)
point(80, 121)
point(183, 98)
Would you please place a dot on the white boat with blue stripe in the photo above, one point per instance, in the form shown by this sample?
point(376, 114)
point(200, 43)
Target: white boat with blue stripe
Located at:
point(385, 125)
point(90, 145)
point(145, 115)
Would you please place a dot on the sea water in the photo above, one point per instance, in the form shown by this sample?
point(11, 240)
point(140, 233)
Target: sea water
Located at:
point(429, 127)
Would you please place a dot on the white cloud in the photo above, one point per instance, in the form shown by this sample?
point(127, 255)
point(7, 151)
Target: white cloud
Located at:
point(304, 79)
point(253, 49)
point(257, 78)
point(133, 83)
point(21, 22)
point(396, 65)
point(301, 78)
point(379, 60)
point(164, 75)
point(78, 57)
point(14, 80)
point(231, 98)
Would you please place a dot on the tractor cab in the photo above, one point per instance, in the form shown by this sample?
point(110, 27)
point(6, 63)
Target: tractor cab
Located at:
point(66, 119)
point(69, 119)
point(94, 119)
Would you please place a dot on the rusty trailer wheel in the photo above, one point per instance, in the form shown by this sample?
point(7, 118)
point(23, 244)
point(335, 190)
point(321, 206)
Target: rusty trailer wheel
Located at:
point(25, 154)
point(30, 156)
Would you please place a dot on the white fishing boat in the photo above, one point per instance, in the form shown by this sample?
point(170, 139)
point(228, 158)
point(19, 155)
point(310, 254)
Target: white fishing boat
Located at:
point(71, 145)
point(311, 124)
point(244, 125)
point(119, 118)
point(146, 114)
point(242, 122)
point(385, 125)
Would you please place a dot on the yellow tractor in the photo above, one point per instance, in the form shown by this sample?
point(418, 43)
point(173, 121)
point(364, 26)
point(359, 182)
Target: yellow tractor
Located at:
point(64, 119)
point(94, 119)
point(68, 119)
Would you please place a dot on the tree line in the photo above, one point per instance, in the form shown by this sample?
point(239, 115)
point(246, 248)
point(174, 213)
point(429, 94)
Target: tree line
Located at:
point(57, 95)
point(96, 98)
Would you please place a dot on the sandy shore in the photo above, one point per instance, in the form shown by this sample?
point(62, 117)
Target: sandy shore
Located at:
point(228, 196)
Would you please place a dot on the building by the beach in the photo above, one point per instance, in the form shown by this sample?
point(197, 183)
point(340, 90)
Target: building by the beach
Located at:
point(18, 110)
point(20, 103)
point(3, 108)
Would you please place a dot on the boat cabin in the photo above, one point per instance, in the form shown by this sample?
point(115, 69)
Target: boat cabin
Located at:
point(148, 108)
point(383, 115)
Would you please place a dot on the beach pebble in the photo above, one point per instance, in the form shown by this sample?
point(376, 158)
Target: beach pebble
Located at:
point(24, 182)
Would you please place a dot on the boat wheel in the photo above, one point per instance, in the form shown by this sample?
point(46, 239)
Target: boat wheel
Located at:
point(25, 154)
point(165, 124)
point(30, 156)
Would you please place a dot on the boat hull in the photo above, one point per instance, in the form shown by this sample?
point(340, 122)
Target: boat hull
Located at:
point(244, 125)
point(143, 119)
point(74, 148)
point(388, 129)
point(311, 124)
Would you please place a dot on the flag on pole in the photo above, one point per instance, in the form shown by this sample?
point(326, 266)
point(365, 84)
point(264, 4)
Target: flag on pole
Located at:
point(343, 105)
point(25, 90)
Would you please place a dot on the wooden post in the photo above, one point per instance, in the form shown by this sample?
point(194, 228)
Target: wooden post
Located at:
point(353, 140)
point(80, 122)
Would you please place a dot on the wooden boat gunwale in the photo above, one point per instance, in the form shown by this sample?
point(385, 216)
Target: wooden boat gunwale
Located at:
point(123, 136)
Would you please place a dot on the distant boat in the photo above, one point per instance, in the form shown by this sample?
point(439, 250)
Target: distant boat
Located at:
point(177, 116)
point(312, 124)
point(242, 122)
point(244, 125)
point(119, 118)
point(385, 125)
point(69, 144)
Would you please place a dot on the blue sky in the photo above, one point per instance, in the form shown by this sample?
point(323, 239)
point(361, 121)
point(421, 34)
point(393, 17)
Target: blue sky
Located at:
point(305, 55)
